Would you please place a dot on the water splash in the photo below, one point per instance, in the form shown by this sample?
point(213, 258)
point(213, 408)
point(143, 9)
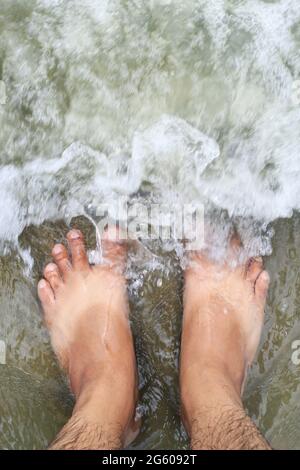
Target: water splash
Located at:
point(122, 99)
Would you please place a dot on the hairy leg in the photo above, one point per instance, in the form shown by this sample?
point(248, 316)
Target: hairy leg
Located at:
point(86, 312)
point(222, 323)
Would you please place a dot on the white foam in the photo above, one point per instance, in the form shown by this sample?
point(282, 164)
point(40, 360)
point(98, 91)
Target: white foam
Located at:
point(191, 101)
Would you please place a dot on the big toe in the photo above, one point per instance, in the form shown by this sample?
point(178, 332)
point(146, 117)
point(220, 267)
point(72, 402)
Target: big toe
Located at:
point(78, 252)
point(114, 247)
point(234, 249)
point(262, 286)
point(254, 268)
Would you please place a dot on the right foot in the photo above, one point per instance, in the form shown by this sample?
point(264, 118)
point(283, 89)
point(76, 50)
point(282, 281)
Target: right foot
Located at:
point(222, 323)
point(86, 311)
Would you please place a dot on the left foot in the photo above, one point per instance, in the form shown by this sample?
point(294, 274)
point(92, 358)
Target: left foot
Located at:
point(87, 315)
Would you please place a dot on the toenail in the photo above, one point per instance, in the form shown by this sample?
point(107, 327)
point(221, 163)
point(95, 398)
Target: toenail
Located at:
point(42, 284)
point(50, 267)
point(57, 249)
point(265, 276)
point(74, 234)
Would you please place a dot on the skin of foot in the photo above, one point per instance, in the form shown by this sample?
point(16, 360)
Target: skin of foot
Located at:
point(87, 314)
point(222, 324)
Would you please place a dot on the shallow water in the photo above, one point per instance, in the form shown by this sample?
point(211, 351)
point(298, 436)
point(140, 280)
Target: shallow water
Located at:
point(160, 101)
point(35, 401)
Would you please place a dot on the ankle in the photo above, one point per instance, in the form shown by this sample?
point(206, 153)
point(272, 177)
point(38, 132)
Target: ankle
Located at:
point(225, 427)
point(105, 402)
point(88, 430)
point(218, 420)
point(84, 379)
point(206, 393)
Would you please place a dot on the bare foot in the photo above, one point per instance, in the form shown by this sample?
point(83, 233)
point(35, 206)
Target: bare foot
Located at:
point(222, 323)
point(86, 312)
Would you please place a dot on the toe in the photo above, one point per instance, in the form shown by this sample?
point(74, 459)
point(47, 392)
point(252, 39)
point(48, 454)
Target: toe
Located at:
point(52, 275)
point(47, 298)
point(235, 241)
point(254, 268)
point(198, 262)
point(234, 250)
point(61, 258)
point(46, 294)
point(77, 247)
point(262, 286)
